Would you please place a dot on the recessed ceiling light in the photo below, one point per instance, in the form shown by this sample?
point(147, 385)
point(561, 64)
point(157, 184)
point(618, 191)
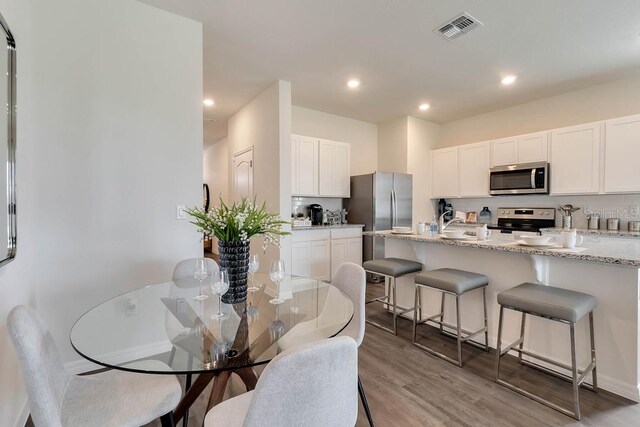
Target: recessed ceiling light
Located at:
point(424, 107)
point(507, 80)
point(353, 83)
point(209, 102)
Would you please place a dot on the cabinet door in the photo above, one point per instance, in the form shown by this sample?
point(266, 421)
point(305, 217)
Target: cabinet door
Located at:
point(444, 172)
point(622, 151)
point(325, 162)
point(339, 251)
point(301, 259)
point(575, 159)
point(474, 169)
point(320, 260)
point(354, 250)
point(341, 170)
point(304, 166)
point(334, 169)
point(504, 152)
point(533, 148)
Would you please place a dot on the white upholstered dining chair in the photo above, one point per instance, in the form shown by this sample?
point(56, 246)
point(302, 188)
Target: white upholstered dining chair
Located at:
point(312, 385)
point(112, 398)
point(351, 279)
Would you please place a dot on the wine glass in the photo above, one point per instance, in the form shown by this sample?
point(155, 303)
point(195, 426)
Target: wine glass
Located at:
point(201, 272)
point(276, 274)
point(254, 264)
point(219, 286)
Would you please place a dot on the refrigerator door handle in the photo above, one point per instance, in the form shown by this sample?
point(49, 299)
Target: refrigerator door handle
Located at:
point(394, 209)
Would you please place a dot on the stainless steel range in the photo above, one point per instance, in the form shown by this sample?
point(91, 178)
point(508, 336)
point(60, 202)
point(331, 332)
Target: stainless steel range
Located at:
point(525, 219)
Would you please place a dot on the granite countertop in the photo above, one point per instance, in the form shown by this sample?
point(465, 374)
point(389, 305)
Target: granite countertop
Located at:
point(603, 233)
point(328, 227)
point(624, 252)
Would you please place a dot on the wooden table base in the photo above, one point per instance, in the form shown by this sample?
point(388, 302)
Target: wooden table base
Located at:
point(247, 376)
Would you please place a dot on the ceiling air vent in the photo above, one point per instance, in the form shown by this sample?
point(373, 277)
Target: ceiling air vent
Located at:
point(457, 26)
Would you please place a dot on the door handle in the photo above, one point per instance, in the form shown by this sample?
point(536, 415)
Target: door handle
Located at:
point(533, 178)
point(394, 208)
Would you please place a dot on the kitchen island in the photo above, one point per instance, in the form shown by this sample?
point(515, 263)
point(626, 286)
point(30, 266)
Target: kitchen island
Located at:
point(605, 268)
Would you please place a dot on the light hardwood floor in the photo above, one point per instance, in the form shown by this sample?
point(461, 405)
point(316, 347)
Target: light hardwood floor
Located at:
point(406, 386)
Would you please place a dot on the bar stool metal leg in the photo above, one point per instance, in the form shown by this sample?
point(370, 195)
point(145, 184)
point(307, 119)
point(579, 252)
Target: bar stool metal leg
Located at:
point(594, 376)
point(499, 344)
point(522, 322)
point(416, 309)
point(574, 372)
point(442, 313)
point(486, 324)
point(459, 328)
point(395, 308)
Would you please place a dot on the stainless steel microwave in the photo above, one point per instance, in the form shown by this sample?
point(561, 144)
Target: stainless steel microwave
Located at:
point(524, 178)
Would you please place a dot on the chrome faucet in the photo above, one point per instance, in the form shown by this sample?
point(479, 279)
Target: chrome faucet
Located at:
point(442, 225)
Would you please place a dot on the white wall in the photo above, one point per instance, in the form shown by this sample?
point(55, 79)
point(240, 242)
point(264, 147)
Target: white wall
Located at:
point(215, 163)
point(109, 141)
point(362, 136)
point(265, 124)
point(422, 137)
point(614, 99)
point(392, 145)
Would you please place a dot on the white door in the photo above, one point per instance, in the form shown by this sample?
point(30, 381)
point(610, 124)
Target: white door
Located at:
point(301, 259)
point(320, 259)
point(242, 165)
point(339, 250)
point(444, 173)
point(474, 170)
point(307, 167)
point(340, 170)
point(504, 152)
point(622, 151)
point(354, 251)
point(533, 147)
point(325, 161)
point(575, 159)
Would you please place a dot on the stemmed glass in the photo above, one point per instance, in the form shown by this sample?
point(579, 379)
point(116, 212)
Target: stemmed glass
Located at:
point(220, 286)
point(254, 264)
point(201, 272)
point(276, 274)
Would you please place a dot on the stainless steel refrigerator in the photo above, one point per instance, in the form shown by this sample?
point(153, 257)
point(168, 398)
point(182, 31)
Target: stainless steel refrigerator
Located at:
point(380, 201)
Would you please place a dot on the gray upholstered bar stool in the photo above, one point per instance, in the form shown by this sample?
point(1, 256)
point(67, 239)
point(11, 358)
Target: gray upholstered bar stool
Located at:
point(391, 268)
point(453, 282)
point(560, 305)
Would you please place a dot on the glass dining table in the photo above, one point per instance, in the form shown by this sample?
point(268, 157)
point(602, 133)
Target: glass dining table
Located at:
point(162, 329)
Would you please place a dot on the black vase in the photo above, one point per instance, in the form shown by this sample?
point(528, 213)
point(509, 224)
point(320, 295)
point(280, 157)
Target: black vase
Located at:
point(234, 256)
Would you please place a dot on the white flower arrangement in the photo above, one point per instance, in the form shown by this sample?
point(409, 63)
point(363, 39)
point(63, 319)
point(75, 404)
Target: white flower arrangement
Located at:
point(239, 222)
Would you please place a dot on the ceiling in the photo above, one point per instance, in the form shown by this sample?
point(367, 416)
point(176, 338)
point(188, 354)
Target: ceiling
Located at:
point(553, 46)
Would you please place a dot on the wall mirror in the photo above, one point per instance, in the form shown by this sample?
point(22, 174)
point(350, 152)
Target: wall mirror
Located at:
point(8, 230)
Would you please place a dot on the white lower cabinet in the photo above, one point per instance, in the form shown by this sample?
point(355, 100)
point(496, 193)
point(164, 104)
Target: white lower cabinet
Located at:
point(318, 253)
point(311, 255)
point(346, 246)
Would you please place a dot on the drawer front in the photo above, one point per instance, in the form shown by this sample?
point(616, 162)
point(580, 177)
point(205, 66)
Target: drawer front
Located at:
point(310, 235)
point(345, 233)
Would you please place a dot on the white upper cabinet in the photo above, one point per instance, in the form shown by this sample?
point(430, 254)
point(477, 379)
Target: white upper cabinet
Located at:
point(575, 159)
point(319, 167)
point(521, 149)
point(474, 169)
point(621, 154)
point(333, 168)
point(533, 147)
point(304, 166)
point(444, 172)
point(504, 152)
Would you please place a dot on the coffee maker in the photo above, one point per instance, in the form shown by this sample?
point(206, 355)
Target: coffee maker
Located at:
point(315, 213)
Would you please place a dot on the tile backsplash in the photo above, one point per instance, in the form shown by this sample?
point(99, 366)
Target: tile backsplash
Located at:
point(299, 204)
point(626, 207)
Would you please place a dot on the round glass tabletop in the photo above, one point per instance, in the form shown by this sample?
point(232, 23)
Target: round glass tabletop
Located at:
point(164, 323)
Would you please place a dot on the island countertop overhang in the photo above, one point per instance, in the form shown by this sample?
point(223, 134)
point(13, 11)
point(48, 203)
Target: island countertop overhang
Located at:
point(623, 253)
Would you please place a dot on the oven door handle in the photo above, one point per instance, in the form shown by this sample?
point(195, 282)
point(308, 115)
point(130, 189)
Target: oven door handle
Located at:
point(533, 178)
